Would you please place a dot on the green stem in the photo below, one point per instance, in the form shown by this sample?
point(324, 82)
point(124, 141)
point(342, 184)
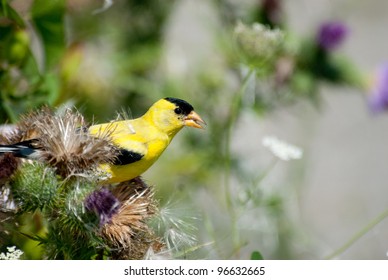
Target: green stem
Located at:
point(358, 235)
point(234, 113)
point(237, 100)
point(257, 179)
point(4, 7)
point(252, 189)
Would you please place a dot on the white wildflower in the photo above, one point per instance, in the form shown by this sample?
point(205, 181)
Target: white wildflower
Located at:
point(281, 149)
point(12, 254)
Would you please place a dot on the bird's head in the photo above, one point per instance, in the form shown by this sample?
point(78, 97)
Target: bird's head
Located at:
point(171, 114)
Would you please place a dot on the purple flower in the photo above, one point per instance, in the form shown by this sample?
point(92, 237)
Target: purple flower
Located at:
point(103, 203)
point(378, 99)
point(331, 35)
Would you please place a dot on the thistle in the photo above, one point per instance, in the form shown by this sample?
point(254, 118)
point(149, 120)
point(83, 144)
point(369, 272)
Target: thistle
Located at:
point(331, 35)
point(103, 203)
point(84, 220)
point(127, 232)
point(64, 141)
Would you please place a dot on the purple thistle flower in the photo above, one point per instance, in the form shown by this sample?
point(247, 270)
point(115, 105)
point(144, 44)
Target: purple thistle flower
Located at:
point(378, 99)
point(103, 203)
point(331, 35)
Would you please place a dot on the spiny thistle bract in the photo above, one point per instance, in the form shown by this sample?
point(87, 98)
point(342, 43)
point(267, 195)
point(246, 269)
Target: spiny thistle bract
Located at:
point(84, 219)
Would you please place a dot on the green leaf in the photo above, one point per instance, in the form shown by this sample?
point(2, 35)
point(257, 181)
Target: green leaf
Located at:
point(34, 237)
point(256, 255)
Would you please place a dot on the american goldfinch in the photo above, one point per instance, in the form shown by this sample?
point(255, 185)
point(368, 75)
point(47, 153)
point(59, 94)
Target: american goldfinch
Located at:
point(139, 142)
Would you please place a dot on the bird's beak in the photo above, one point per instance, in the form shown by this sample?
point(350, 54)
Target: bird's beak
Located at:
point(194, 120)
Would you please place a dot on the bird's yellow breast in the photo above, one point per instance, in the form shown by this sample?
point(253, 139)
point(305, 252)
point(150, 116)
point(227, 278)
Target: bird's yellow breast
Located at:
point(138, 136)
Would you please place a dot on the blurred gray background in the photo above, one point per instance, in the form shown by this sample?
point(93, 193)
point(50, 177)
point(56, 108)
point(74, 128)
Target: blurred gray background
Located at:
point(345, 183)
point(341, 183)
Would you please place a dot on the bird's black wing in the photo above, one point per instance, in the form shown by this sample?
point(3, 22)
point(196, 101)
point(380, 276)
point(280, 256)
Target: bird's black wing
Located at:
point(126, 157)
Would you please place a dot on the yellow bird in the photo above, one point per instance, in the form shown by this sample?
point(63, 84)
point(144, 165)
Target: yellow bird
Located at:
point(140, 142)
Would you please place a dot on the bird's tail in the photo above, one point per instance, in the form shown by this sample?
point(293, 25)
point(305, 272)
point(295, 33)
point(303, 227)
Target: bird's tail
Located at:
point(23, 149)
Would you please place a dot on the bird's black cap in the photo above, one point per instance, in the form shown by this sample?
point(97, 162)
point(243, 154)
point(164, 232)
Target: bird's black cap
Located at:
point(183, 105)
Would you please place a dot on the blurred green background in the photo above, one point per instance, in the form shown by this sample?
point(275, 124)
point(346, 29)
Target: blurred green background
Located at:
point(232, 196)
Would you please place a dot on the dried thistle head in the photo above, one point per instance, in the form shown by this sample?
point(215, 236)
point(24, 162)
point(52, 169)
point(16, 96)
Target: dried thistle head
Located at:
point(6, 133)
point(64, 142)
point(127, 233)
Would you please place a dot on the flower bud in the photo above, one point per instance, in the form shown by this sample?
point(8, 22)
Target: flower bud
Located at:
point(258, 45)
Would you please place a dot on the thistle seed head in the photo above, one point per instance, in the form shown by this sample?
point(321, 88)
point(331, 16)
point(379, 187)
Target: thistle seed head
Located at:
point(64, 141)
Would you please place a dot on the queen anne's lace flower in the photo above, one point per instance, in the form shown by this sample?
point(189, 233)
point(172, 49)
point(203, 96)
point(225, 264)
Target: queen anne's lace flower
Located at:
point(12, 254)
point(281, 149)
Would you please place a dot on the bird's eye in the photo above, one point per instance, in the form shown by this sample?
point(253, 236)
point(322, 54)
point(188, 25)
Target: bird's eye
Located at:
point(178, 111)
